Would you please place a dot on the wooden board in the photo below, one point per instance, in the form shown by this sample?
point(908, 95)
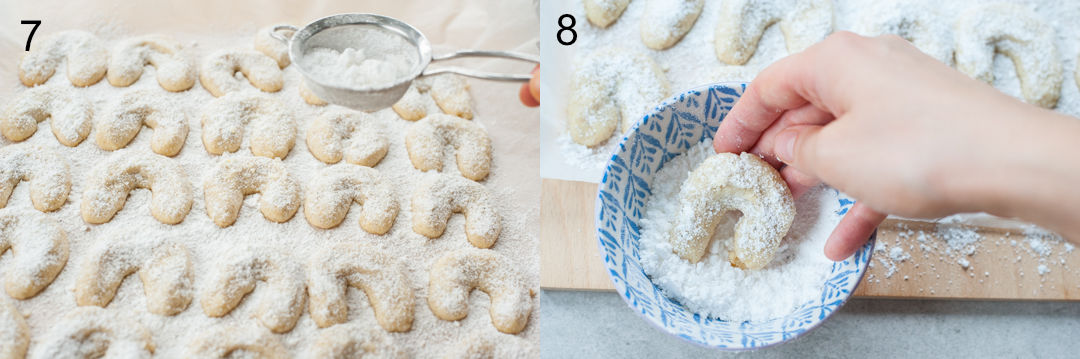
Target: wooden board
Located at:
point(1004, 265)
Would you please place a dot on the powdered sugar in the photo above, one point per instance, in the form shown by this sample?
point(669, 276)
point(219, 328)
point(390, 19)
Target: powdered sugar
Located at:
point(713, 287)
point(359, 57)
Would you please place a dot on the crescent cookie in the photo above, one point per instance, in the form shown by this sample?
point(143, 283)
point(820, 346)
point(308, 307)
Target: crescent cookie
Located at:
point(236, 275)
point(353, 341)
point(127, 115)
point(381, 276)
point(175, 72)
point(218, 73)
point(109, 183)
point(334, 189)
point(426, 138)
point(450, 93)
point(456, 274)
point(273, 48)
point(918, 25)
point(350, 134)
point(84, 53)
point(668, 21)
point(604, 12)
point(729, 182)
point(165, 271)
point(238, 342)
point(92, 332)
point(310, 97)
point(46, 172)
point(70, 115)
point(15, 336)
point(612, 85)
point(742, 22)
point(270, 125)
point(236, 177)
point(40, 250)
point(440, 195)
point(1017, 32)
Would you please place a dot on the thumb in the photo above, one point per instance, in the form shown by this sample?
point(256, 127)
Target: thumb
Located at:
point(797, 147)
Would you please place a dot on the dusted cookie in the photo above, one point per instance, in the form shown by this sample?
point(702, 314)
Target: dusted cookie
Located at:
point(612, 85)
point(604, 12)
point(268, 121)
point(353, 341)
point(440, 195)
point(15, 337)
point(1023, 37)
point(109, 183)
point(123, 121)
point(165, 271)
point(310, 97)
point(456, 274)
point(92, 332)
point(236, 177)
point(426, 138)
point(70, 115)
point(350, 134)
point(450, 93)
point(40, 251)
point(46, 172)
point(918, 25)
point(218, 72)
point(129, 56)
point(335, 188)
point(742, 22)
point(236, 275)
point(667, 21)
point(234, 342)
point(379, 275)
point(726, 182)
point(273, 48)
point(84, 53)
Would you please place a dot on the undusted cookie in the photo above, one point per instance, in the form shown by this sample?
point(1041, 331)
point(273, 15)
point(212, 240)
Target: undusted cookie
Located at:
point(334, 189)
point(666, 21)
point(218, 73)
point(92, 332)
point(109, 183)
point(729, 182)
point(439, 196)
point(1017, 32)
point(426, 138)
point(236, 177)
point(269, 123)
point(84, 53)
point(165, 271)
point(353, 341)
point(742, 22)
point(350, 134)
point(46, 172)
point(15, 337)
point(127, 115)
point(129, 56)
point(456, 274)
point(612, 86)
point(273, 48)
point(235, 276)
point(69, 114)
point(921, 26)
point(227, 341)
point(604, 12)
point(40, 249)
point(377, 273)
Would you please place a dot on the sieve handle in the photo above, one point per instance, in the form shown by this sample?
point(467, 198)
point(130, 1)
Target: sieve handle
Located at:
point(278, 36)
point(484, 74)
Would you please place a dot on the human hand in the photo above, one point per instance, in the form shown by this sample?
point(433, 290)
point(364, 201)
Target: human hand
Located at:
point(530, 92)
point(899, 131)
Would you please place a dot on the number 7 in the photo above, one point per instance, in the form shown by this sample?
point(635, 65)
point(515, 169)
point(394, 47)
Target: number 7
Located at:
point(32, 31)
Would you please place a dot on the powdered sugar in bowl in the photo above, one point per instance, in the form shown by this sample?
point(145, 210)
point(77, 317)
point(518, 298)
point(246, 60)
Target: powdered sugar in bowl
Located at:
point(714, 305)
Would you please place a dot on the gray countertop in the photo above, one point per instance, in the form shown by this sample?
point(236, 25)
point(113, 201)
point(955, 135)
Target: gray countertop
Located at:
point(599, 325)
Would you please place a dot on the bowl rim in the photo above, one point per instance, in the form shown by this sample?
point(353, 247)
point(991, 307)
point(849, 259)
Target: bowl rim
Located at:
point(696, 90)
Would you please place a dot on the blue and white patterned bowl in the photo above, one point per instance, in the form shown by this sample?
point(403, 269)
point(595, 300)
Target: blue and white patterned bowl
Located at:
point(671, 129)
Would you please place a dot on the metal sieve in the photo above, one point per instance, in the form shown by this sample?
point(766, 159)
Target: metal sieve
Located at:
point(372, 98)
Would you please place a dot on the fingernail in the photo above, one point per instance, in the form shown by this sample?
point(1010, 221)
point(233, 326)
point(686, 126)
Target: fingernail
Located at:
point(785, 146)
